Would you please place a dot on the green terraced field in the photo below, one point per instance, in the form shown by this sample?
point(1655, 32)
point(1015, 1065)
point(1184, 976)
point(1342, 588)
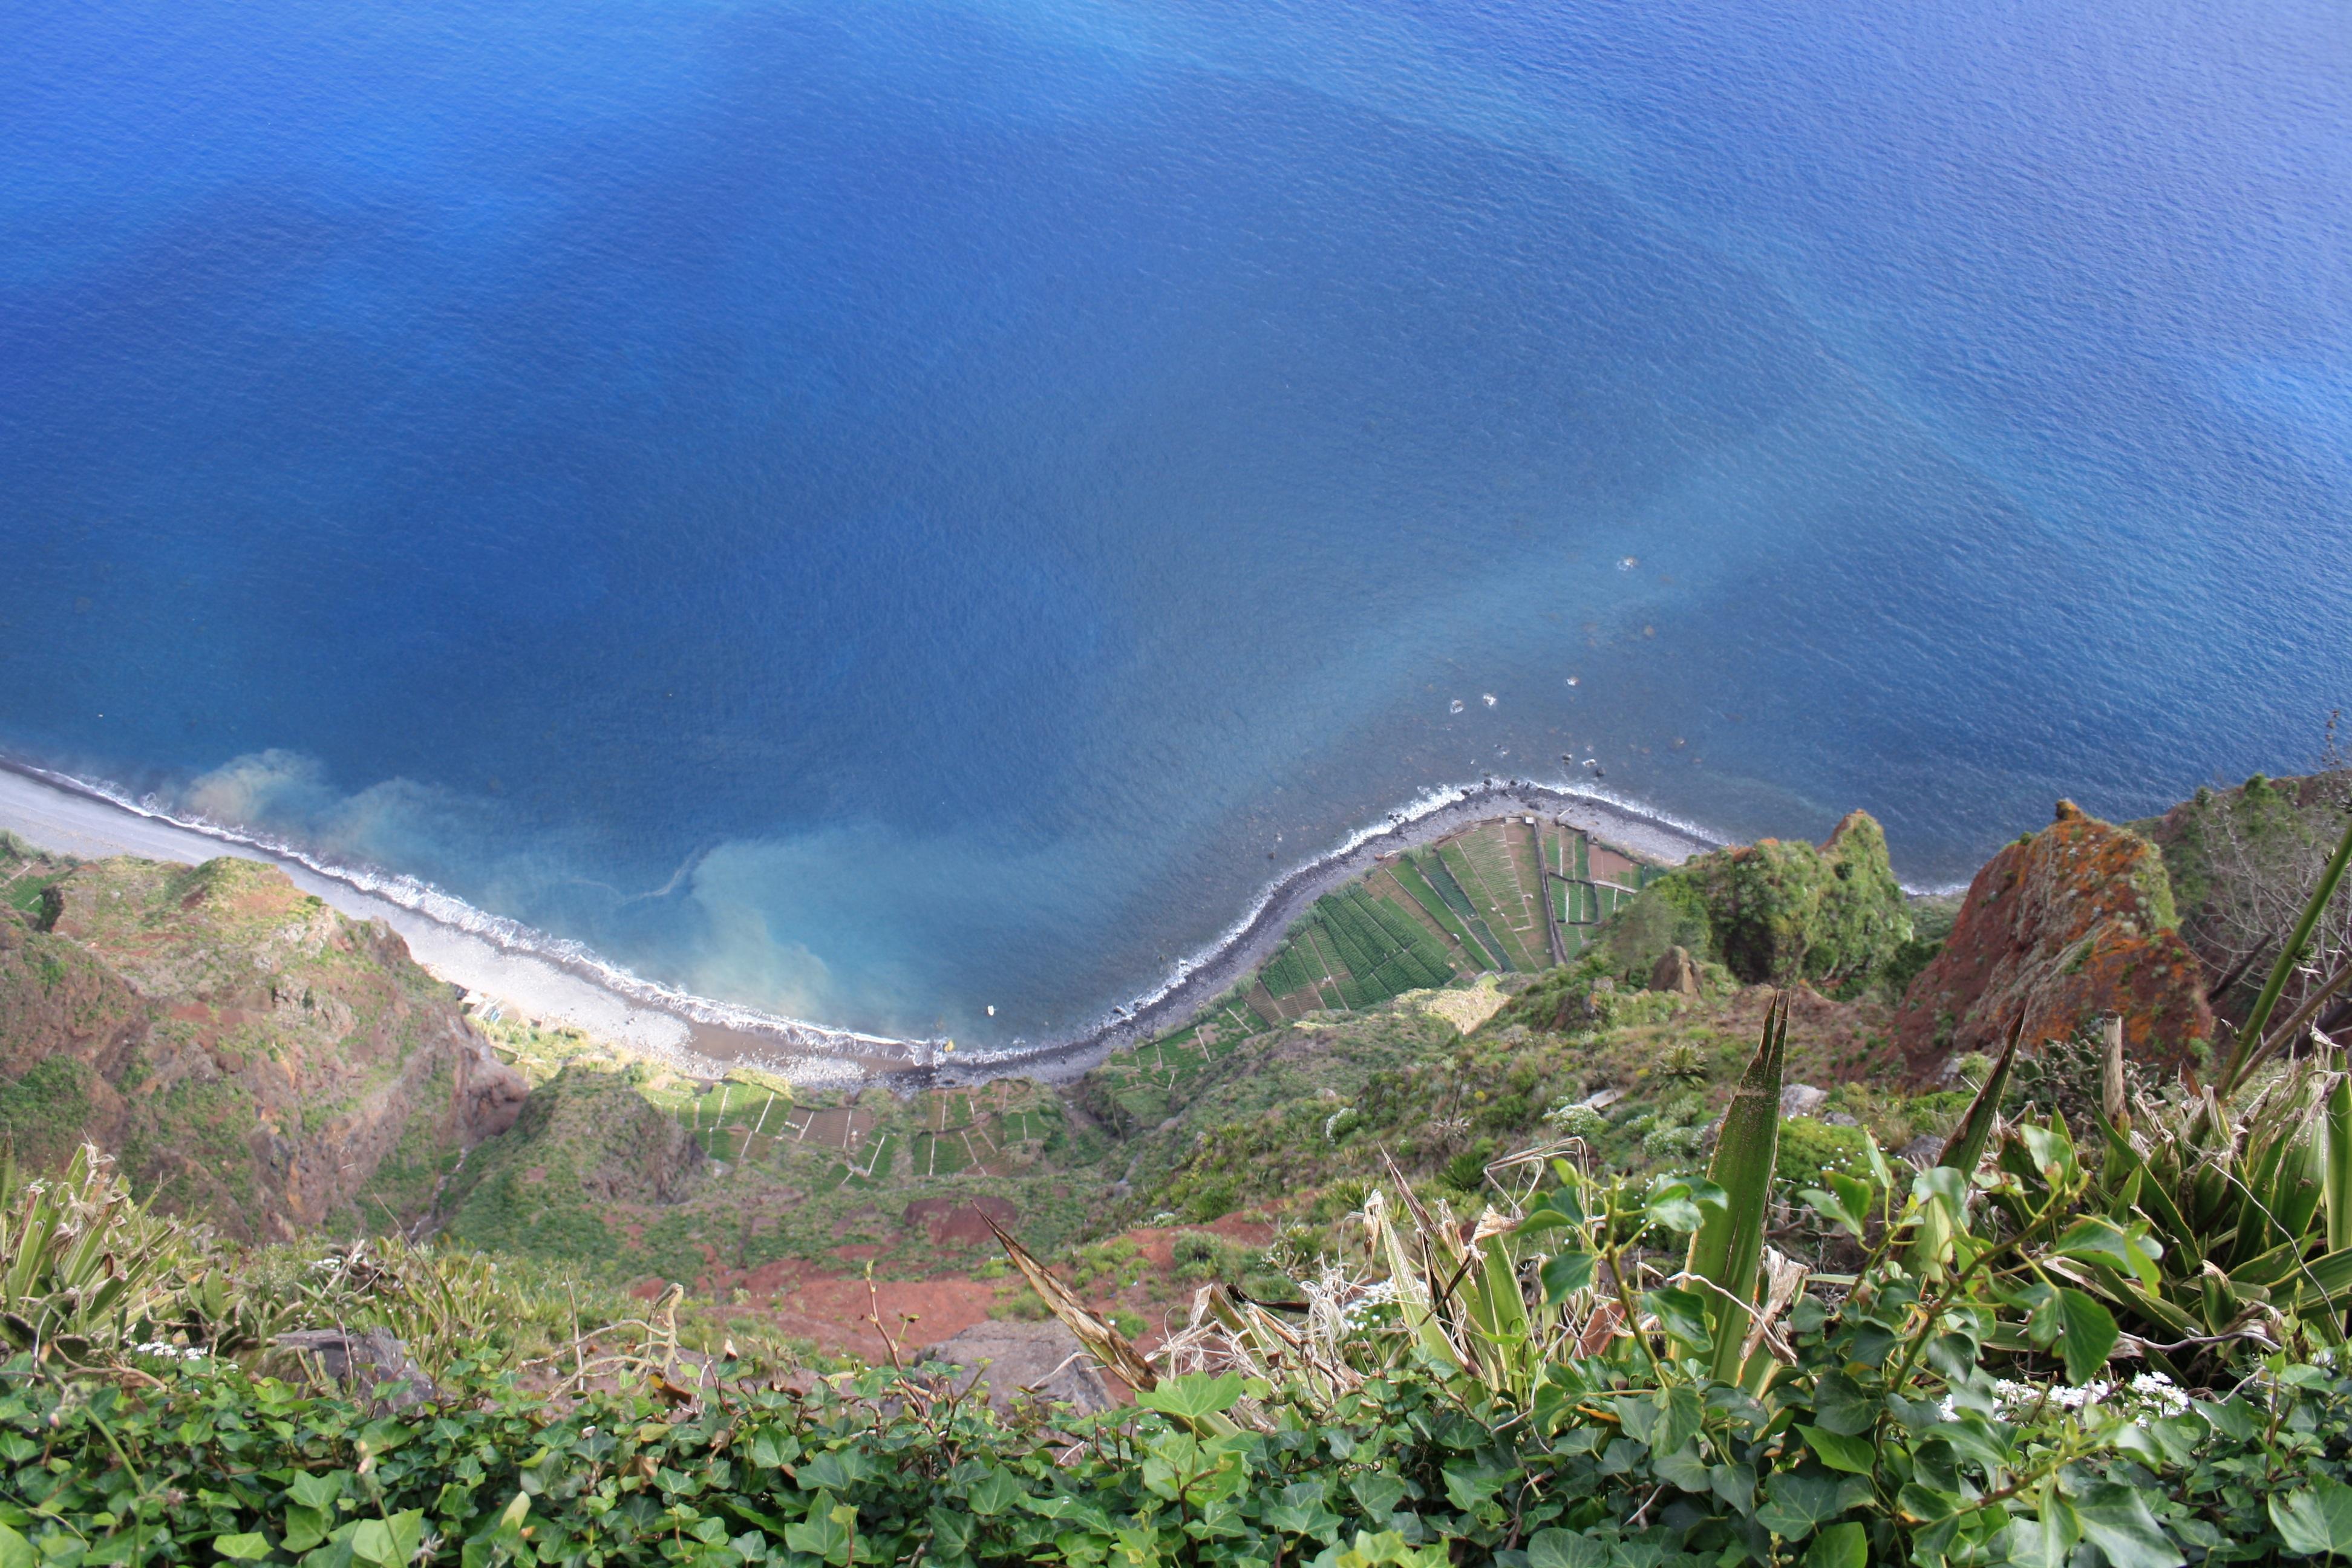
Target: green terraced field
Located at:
point(1489, 897)
point(1352, 951)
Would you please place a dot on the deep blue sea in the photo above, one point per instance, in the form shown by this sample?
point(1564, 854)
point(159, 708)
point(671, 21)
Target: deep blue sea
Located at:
point(874, 510)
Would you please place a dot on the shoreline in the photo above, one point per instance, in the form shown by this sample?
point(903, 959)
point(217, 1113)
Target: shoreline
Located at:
point(1253, 939)
point(490, 957)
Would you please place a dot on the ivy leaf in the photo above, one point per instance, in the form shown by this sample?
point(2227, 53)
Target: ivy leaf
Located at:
point(1841, 1406)
point(1945, 1187)
point(2115, 1519)
point(1566, 1274)
point(1678, 1205)
point(994, 1493)
point(1300, 1512)
point(372, 1543)
point(1843, 1545)
point(1832, 1208)
point(1193, 1397)
point(838, 1470)
point(2097, 1239)
point(15, 1552)
point(1858, 1196)
point(1683, 1313)
point(1796, 1502)
point(1973, 1437)
point(1735, 1485)
point(1377, 1495)
point(1465, 1489)
point(951, 1531)
point(1682, 1468)
point(825, 1533)
point(2047, 1540)
point(2316, 1519)
point(1854, 1455)
point(316, 1491)
point(2090, 1334)
point(1680, 1416)
point(305, 1527)
point(1565, 1549)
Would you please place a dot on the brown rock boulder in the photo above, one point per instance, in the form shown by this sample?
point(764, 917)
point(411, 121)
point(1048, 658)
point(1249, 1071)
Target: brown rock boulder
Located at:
point(1674, 972)
point(2059, 927)
point(1043, 1360)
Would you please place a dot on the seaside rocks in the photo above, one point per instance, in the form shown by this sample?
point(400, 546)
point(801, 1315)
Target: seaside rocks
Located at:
point(1773, 911)
point(1043, 1360)
point(2059, 927)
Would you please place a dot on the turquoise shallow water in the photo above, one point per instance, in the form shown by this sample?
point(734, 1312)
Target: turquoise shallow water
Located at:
point(872, 512)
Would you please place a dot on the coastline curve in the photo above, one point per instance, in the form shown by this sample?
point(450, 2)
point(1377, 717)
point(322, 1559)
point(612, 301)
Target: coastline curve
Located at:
point(496, 956)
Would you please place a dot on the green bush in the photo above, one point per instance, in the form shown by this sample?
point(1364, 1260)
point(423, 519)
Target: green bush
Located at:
point(1810, 1149)
point(1775, 910)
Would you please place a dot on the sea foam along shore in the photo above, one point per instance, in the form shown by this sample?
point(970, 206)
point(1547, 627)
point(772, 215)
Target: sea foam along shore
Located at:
point(547, 978)
point(490, 957)
point(1253, 938)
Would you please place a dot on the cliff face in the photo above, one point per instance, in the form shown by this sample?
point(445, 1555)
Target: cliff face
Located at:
point(588, 1161)
point(2057, 928)
point(1776, 911)
point(250, 1055)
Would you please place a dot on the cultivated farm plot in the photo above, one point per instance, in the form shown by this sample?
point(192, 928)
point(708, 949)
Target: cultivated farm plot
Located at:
point(1488, 871)
point(1390, 886)
point(1355, 950)
point(866, 1168)
point(1496, 896)
point(1145, 1082)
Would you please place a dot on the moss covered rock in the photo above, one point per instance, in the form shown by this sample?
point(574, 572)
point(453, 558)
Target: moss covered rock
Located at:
point(586, 1157)
point(2058, 928)
point(1775, 911)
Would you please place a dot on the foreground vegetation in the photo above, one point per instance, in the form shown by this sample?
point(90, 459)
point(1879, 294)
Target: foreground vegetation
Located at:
point(1559, 1286)
point(1560, 1383)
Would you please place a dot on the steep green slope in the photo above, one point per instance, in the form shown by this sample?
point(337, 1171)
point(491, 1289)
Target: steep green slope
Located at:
point(249, 1055)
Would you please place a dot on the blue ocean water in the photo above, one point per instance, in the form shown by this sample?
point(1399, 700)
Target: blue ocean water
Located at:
point(872, 511)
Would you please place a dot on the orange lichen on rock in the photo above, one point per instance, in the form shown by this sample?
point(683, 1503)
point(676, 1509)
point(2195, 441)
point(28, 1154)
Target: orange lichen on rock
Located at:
point(2058, 928)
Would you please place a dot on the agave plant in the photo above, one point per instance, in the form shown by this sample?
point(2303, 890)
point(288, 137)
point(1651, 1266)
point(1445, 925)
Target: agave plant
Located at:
point(1727, 1248)
point(85, 1272)
point(2245, 1203)
point(2243, 1185)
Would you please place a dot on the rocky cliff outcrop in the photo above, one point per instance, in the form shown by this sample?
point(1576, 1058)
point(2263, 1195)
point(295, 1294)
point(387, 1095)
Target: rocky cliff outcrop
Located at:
point(2058, 928)
point(250, 1055)
point(1774, 910)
